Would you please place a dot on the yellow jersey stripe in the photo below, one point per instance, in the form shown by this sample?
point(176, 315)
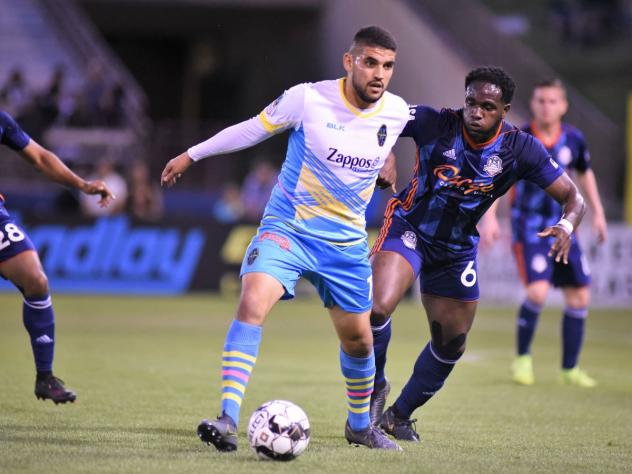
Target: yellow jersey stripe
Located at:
point(270, 127)
point(358, 112)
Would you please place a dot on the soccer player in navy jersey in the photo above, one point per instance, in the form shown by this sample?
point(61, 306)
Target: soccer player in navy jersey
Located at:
point(20, 264)
point(532, 210)
point(466, 159)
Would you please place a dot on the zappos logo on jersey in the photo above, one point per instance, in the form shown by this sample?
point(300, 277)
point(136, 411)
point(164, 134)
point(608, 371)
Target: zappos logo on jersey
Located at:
point(355, 163)
point(110, 256)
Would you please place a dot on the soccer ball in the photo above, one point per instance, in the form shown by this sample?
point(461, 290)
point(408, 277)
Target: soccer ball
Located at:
point(278, 430)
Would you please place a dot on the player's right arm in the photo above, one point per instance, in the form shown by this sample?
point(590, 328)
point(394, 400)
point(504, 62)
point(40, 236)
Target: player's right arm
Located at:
point(284, 113)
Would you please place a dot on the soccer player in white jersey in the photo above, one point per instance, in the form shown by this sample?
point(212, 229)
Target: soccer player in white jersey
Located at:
point(341, 132)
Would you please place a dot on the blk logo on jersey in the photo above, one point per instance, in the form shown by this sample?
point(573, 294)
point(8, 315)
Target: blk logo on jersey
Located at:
point(381, 135)
point(493, 166)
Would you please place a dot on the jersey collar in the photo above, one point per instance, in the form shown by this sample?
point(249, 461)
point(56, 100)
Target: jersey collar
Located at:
point(538, 134)
point(376, 109)
point(478, 146)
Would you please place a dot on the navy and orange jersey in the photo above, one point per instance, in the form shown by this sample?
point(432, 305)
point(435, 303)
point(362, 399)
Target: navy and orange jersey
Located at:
point(532, 209)
point(456, 180)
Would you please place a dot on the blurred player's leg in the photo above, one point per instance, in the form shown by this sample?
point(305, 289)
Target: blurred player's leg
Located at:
point(392, 276)
point(450, 320)
point(526, 325)
point(573, 329)
point(357, 364)
point(25, 271)
point(259, 293)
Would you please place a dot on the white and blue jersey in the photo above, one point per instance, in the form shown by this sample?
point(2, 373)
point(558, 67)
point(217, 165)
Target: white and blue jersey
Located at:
point(314, 224)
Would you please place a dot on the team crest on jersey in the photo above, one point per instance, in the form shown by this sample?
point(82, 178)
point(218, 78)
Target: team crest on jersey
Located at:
point(410, 239)
point(493, 166)
point(381, 135)
point(252, 256)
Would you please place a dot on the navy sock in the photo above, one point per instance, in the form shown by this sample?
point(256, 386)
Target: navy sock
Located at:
point(381, 338)
point(573, 325)
point(39, 321)
point(428, 377)
point(528, 316)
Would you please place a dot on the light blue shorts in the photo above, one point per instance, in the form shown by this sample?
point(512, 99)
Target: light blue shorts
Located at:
point(341, 274)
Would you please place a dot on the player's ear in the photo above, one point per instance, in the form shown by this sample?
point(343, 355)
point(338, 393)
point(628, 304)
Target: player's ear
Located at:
point(506, 108)
point(347, 61)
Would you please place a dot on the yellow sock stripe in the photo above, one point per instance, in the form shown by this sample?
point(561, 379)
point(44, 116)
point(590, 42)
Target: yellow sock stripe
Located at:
point(241, 355)
point(232, 396)
point(365, 379)
point(235, 385)
point(359, 401)
point(359, 387)
point(358, 410)
point(241, 365)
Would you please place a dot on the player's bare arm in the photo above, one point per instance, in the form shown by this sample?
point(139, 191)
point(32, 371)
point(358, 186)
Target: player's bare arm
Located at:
point(53, 168)
point(588, 185)
point(388, 174)
point(174, 169)
point(564, 191)
point(489, 228)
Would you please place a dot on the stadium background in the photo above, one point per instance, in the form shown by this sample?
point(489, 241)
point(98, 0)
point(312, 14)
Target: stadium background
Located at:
point(125, 85)
point(167, 74)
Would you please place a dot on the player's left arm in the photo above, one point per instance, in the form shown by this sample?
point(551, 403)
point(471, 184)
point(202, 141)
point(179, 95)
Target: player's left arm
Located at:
point(588, 185)
point(54, 169)
point(564, 191)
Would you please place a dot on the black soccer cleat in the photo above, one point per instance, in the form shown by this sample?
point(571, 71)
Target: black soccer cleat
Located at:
point(221, 433)
point(371, 437)
point(52, 388)
point(399, 428)
point(378, 401)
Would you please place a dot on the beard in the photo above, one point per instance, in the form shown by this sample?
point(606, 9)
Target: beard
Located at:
point(362, 95)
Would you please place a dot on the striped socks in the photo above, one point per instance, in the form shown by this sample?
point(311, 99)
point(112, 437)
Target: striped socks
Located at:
point(39, 321)
point(359, 373)
point(238, 359)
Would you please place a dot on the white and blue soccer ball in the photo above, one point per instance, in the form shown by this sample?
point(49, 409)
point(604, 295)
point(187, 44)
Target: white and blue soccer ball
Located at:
point(278, 430)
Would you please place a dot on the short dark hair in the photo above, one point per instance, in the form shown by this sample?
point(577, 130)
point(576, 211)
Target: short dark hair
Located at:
point(374, 36)
point(550, 82)
point(493, 75)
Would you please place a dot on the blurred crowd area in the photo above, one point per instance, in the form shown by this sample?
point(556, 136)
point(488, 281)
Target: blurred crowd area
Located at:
point(588, 23)
point(96, 103)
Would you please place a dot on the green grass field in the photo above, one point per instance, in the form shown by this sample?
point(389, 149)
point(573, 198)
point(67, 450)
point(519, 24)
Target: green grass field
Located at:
point(146, 370)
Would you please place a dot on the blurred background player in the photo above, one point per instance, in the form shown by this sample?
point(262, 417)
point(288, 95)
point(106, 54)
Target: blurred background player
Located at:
point(466, 159)
point(314, 224)
point(532, 211)
point(20, 264)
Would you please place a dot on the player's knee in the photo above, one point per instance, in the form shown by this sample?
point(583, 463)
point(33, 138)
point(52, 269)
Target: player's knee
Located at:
point(358, 345)
point(250, 312)
point(578, 297)
point(381, 310)
point(452, 349)
point(537, 294)
point(36, 284)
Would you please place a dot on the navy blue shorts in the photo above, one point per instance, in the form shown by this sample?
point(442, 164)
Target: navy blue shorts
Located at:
point(442, 272)
point(534, 264)
point(13, 239)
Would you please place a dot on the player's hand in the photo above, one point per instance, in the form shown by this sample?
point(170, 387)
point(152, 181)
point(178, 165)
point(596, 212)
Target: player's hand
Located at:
point(100, 188)
point(174, 169)
point(388, 174)
point(562, 244)
point(489, 231)
point(600, 227)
